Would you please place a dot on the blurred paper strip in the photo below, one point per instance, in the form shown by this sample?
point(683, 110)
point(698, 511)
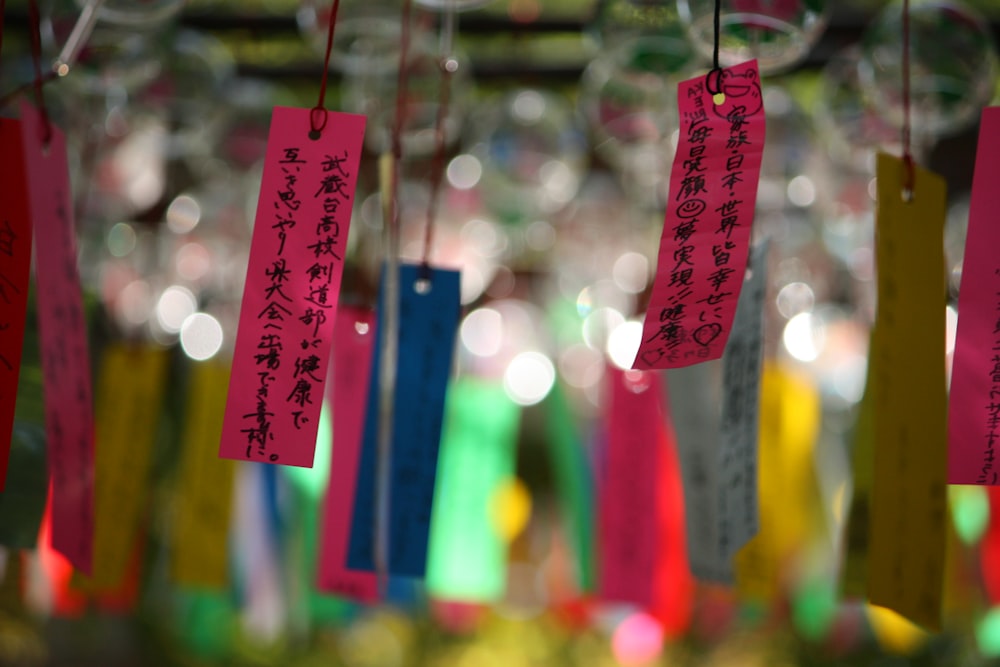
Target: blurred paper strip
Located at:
point(629, 526)
point(909, 503)
point(675, 587)
point(467, 559)
point(974, 403)
point(69, 412)
point(204, 495)
point(129, 396)
point(738, 517)
point(791, 515)
point(574, 484)
point(354, 341)
point(694, 399)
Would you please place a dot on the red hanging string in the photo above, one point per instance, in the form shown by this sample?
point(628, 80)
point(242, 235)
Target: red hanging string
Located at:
point(908, 182)
point(319, 111)
point(36, 58)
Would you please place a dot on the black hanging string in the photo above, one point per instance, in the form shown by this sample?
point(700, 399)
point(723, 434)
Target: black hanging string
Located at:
point(713, 80)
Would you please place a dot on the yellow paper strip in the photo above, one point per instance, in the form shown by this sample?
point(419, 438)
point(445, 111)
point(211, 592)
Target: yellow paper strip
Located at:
point(129, 396)
point(854, 578)
point(790, 511)
point(204, 485)
point(909, 504)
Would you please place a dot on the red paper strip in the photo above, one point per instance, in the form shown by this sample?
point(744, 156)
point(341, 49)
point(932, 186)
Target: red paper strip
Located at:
point(292, 286)
point(15, 269)
point(974, 402)
point(629, 523)
point(354, 342)
point(674, 593)
point(706, 232)
point(69, 419)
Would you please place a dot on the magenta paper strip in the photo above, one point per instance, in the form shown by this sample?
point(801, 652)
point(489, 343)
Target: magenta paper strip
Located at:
point(628, 520)
point(292, 286)
point(706, 232)
point(974, 402)
point(354, 341)
point(69, 418)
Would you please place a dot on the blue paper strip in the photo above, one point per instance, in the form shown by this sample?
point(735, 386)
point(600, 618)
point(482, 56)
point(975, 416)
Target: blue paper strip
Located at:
point(427, 324)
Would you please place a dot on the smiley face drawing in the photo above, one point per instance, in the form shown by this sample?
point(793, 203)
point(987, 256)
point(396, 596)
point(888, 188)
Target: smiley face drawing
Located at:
point(742, 91)
point(691, 208)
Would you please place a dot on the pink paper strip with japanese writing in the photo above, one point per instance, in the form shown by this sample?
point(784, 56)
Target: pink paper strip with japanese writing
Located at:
point(69, 416)
point(974, 402)
point(354, 342)
point(706, 232)
point(292, 286)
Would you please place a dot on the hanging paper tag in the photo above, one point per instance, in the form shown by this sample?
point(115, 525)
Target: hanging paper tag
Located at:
point(738, 521)
point(354, 343)
point(706, 232)
point(15, 264)
point(129, 392)
point(204, 494)
point(428, 319)
point(292, 287)
point(628, 522)
point(467, 558)
point(573, 482)
point(693, 396)
point(63, 334)
point(909, 511)
point(974, 403)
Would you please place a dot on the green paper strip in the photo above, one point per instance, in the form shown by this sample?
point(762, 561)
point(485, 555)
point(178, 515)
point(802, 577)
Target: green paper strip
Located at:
point(467, 554)
point(574, 484)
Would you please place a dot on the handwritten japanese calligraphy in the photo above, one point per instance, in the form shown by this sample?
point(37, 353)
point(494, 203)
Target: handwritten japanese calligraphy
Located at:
point(354, 343)
point(427, 327)
point(15, 265)
point(69, 419)
point(292, 286)
point(628, 520)
point(974, 403)
point(706, 232)
point(909, 504)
